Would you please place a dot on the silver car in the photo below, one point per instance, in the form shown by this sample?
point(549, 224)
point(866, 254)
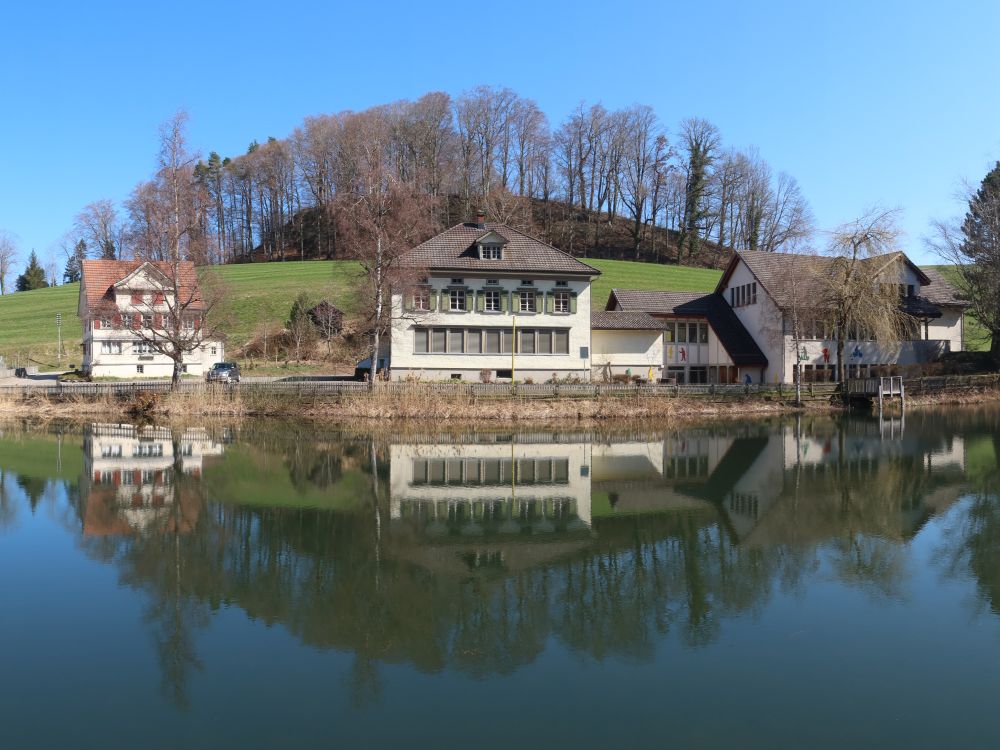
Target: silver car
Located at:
point(223, 372)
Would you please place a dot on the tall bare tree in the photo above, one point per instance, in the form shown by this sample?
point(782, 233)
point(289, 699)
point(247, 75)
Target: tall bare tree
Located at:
point(8, 256)
point(99, 225)
point(385, 218)
point(180, 314)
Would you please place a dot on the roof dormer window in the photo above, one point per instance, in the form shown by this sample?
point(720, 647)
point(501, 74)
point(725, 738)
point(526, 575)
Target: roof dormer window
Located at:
point(491, 252)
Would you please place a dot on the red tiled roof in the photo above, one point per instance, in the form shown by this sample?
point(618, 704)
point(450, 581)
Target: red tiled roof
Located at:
point(100, 277)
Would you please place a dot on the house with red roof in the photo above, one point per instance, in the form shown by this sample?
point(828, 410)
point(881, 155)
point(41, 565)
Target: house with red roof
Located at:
point(125, 306)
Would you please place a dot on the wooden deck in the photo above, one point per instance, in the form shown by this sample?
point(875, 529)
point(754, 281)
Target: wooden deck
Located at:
point(877, 388)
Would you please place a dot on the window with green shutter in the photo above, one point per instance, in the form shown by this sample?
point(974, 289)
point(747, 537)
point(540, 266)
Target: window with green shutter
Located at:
point(504, 301)
point(549, 303)
point(481, 300)
point(572, 302)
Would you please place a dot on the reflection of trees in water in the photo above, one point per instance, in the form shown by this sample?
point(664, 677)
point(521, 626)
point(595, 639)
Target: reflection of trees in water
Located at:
point(972, 542)
point(9, 502)
point(342, 579)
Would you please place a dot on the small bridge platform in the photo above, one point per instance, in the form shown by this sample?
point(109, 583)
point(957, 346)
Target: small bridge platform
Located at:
point(883, 389)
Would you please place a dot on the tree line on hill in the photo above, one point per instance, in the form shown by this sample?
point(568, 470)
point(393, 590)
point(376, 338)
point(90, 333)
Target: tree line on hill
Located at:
point(600, 178)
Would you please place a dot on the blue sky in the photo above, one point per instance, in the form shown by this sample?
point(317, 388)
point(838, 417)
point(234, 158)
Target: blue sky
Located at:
point(888, 103)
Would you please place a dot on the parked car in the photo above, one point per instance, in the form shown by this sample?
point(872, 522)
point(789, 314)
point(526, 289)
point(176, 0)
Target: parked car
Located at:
point(223, 372)
point(363, 369)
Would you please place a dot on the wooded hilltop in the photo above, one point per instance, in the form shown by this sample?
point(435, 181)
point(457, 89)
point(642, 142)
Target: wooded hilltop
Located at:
point(601, 183)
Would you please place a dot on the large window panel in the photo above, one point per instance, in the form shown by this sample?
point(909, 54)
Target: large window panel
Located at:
point(526, 341)
point(492, 342)
point(420, 340)
point(561, 342)
point(438, 338)
point(456, 340)
point(474, 341)
point(506, 341)
point(544, 342)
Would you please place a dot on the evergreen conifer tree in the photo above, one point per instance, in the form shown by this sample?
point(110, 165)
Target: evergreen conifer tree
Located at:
point(74, 265)
point(33, 276)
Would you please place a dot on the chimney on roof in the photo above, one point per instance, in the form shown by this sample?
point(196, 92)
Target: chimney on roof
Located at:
point(481, 219)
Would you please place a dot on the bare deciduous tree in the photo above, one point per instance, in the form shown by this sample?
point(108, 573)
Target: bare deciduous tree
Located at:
point(386, 218)
point(859, 287)
point(8, 256)
point(98, 224)
point(180, 314)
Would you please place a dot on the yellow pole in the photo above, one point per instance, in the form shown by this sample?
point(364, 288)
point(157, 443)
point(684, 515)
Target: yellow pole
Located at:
point(513, 345)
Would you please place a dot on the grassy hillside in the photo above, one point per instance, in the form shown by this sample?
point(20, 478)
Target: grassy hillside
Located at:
point(263, 293)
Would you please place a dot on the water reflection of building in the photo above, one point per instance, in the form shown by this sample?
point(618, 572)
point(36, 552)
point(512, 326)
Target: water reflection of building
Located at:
point(129, 482)
point(493, 499)
point(798, 482)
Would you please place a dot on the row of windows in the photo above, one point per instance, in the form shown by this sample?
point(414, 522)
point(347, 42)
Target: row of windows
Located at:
point(490, 341)
point(145, 320)
point(490, 471)
point(494, 301)
point(137, 347)
point(685, 333)
point(691, 375)
point(745, 294)
point(143, 450)
point(147, 476)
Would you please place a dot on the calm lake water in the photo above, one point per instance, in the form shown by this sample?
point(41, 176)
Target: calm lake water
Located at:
point(811, 582)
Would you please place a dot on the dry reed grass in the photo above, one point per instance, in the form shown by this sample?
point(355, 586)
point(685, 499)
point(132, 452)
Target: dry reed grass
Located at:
point(409, 406)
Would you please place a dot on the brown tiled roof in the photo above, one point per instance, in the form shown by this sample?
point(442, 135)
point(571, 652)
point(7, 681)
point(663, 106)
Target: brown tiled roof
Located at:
point(777, 271)
point(618, 320)
point(735, 339)
point(644, 300)
point(453, 250)
point(772, 270)
point(100, 276)
point(941, 291)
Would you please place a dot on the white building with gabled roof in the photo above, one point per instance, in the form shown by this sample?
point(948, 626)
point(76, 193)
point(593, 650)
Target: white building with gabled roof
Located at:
point(494, 303)
point(122, 300)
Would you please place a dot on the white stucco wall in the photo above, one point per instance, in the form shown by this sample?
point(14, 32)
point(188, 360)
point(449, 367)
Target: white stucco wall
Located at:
point(949, 327)
point(154, 365)
point(638, 351)
point(763, 321)
point(407, 363)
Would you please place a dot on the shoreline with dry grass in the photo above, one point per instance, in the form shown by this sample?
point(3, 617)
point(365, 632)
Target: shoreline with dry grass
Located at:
point(375, 407)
